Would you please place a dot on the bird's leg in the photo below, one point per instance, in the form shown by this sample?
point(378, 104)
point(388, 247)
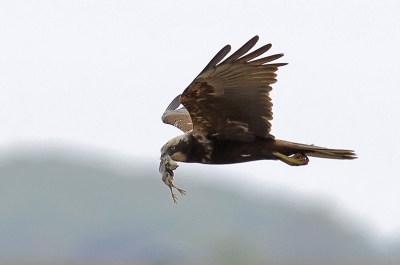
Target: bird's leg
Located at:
point(297, 159)
point(182, 192)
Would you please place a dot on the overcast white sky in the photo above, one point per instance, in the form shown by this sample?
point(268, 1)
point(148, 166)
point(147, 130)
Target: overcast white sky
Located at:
point(99, 74)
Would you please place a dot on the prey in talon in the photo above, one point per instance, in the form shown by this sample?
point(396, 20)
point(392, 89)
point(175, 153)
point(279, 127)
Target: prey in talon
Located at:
point(167, 165)
point(226, 116)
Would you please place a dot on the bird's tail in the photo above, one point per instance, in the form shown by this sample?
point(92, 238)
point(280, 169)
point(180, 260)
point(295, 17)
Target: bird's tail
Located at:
point(316, 151)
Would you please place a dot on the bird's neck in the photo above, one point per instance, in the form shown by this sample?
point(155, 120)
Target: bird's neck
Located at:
point(199, 149)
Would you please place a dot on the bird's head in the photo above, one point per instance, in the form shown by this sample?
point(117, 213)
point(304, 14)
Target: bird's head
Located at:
point(176, 148)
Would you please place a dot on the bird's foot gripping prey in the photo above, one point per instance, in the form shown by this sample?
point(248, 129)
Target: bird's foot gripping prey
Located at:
point(167, 166)
point(226, 116)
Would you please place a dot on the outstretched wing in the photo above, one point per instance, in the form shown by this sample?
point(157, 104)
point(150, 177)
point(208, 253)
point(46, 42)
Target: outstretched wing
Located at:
point(179, 118)
point(230, 100)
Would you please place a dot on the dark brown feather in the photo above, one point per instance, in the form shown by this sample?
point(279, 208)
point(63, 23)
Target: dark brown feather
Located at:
point(230, 100)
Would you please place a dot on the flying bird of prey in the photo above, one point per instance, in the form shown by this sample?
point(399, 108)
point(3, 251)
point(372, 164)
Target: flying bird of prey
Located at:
point(226, 117)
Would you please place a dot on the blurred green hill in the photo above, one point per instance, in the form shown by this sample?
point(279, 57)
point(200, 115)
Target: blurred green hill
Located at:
point(54, 207)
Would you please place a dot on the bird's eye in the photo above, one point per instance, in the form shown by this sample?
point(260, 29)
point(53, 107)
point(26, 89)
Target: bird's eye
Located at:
point(173, 147)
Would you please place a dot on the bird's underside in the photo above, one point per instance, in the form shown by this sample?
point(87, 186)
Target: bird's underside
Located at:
point(294, 154)
point(226, 117)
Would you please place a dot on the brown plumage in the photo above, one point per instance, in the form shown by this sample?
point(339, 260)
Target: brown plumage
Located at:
point(226, 116)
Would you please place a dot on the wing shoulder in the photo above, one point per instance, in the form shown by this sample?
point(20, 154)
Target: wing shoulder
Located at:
point(179, 118)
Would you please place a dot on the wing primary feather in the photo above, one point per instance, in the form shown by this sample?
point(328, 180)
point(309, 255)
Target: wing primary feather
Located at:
point(266, 59)
point(270, 65)
point(255, 54)
point(242, 50)
point(217, 58)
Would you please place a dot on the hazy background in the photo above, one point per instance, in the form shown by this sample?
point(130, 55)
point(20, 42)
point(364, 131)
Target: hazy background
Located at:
point(83, 85)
